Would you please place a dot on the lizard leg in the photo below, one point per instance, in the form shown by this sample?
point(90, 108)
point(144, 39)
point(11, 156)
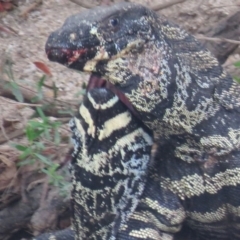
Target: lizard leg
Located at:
point(158, 216)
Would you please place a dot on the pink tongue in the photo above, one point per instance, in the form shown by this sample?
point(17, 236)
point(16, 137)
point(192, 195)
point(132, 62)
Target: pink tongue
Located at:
point(122, 97)
point(97, 82)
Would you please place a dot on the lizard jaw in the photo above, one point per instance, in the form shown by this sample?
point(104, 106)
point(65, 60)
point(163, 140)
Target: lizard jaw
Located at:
point(86, 59)
point(69, 57)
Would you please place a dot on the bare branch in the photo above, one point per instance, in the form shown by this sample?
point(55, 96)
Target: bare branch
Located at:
point(32, 7)
point(84, 4)
point(166, 5)
point(157, 7)
point(222, 6)
point(217, 39)
point(21, 104)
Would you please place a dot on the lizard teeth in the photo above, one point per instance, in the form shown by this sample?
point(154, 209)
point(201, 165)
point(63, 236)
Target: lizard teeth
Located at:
point(76, 54)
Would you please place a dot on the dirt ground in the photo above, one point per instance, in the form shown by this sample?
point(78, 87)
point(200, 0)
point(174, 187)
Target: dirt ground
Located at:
point(22, 40)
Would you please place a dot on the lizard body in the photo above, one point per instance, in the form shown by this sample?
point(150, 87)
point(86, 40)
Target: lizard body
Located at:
point(109, 166)
point(180, 92)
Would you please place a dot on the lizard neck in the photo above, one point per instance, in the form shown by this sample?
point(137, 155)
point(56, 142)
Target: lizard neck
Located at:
point(168, 95)
point(176, 96)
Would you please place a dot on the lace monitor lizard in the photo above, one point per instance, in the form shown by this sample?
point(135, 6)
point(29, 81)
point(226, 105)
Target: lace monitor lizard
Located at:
point(165, 77)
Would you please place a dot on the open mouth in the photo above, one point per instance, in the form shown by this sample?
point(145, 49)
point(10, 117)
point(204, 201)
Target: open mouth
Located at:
point(75, 59)
point(96, 81)
point(65, 56)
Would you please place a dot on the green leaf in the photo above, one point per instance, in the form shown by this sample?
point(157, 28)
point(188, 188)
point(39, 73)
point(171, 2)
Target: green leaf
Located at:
point(45, 171)
point(54, 178)
point(237, 64)
point(16, 92)
point(28, 152)
point(237, 79)
point(55, 90)
point(36, 99)
point(39, 145)
point(20, 147)
point(26, 162)
point(57, 138)
point(47, 133)
point(43, 159)
point(40, 83)
point(33, 133)
point(36, 124)
point(41, 114)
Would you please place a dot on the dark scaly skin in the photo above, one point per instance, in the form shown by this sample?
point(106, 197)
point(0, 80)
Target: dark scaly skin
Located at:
point(109, 167)
point(180, 91)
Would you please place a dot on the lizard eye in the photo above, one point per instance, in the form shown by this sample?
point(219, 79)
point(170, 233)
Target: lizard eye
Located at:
point(114, 22)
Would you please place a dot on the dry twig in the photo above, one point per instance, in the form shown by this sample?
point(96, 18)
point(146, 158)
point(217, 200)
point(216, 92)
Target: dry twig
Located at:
point(8, 29)
point(166, 5)
point(32, 7)
point(22, 104)
point(157, 7)
point(222, 6)
point(83, 4)
point(217, 39)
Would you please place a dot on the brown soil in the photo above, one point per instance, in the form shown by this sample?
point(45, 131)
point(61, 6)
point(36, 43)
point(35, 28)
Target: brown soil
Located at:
point(28, 205)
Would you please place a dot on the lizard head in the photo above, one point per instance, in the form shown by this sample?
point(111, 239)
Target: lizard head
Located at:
point(95, 36)
point(99, 40)
point(159, 71)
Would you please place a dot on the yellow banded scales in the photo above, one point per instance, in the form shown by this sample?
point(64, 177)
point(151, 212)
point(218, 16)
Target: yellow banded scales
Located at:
point(109, 167)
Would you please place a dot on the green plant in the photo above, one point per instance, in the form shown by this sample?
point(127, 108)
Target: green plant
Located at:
point(38, 134)
point(43, 138)
point(237, 64)
point(42, 135)
point(12, 84)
